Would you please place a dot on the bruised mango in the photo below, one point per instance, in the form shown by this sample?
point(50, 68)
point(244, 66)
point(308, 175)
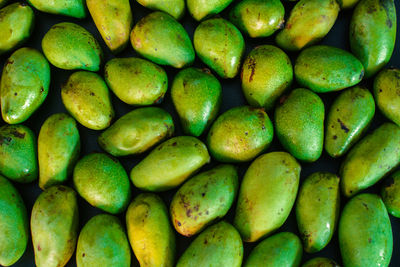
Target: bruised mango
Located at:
point(347, 4)
point(320, 262)
point(71, 8)
point(200, 9)
point(175, 8)
point(391, 194)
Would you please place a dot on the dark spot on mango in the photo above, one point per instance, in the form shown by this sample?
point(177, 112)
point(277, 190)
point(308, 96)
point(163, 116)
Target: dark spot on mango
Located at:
point(334, 137)
point(18, 134)
point(83, 255)
point(343, 126)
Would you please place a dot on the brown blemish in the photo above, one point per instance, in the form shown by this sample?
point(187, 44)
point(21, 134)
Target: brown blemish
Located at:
point(252, 66)
point(343, 126)
point(283, 99)
point(174, 144)
point(15, 93)
point(334, 137)
point(18, 134)
point(92, 94)
point(159, 99)
point(83, 255)
point(39, 248)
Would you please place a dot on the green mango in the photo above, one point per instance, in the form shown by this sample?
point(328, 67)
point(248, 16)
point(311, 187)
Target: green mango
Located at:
point(317, 210)
point(136, 81)
point(69, 46)
point(103, 242)
point(309, 22)
point(218, 245)
point(266, 73)
point(197, 96)
point(137, 131)
point(58, 149)
point(204, 199)
point(86, 97)
point(14, 224)
point(18, 160)
point(170, 164)
point(348, 119)
point(240, 134)
point(54, 226)
point(320, 262)
point(365, 233)
point(282, 249)
point(391, 194)
point(175, 8)
point(150, 233)
point(371, 159)
point(70, 8)
point(267, 195)
point(201, 9)
point(102, 181)
point(161, 39)
point(326, 69)
point(373, 33)
point(220, 45)
point(24, 85)
point(299, 124)
point(347, 4)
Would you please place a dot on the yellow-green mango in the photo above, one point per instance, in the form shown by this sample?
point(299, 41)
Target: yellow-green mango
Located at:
point(391, 194)
point(267, 194)
point(299, 124)
point(150, 232)
point(103, 182)
point(201, 9)
point(54, 226)
point(240, 134)
point(86, 97)
point(220, 45)
point(347, 4)
point(348, 118)
point(197, 96)
point(365, 233)
point(18, 160)
point(161, 39)
point(325, 69)
point(170, 164)
point(309, 22)
point(58, 149)
point(137, 131)
point(371, 159)
point(24, 84)
point(218, 245)
point(204, 199)
point(317, 210)
point(320, 262)
point(70, 8)
point(14, 224)
point(175, 8)
point(103, 242)
point(266, 73)
point(69, 46)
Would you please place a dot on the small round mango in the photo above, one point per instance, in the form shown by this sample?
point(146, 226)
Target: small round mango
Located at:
point(320, 262)
point(175, 8)
point(201, 9)
point(391, 193)
point(70, 8)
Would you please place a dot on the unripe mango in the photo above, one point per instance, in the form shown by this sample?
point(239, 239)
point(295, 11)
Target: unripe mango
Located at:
point(71, 8)
point(391, 194)
point(175, 8)
point(200, 9)
point(347, 4)
point(320, 262)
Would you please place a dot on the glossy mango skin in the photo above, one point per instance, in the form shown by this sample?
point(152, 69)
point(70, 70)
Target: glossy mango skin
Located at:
point(201, 9)
point(391, 194)
point(365, 233)
point(70, 8)
point(197, 96)
point(54, 226)
point(326, 68)
point(266, 73)
point(347, 4)
point(204, 199)
point(170, 164)
point(347, 120)
point(137, 131)
point(150, 233)
point(371, 159)
point(320, 262)
point(267, 194)
point(175, 8)
point(24, 85)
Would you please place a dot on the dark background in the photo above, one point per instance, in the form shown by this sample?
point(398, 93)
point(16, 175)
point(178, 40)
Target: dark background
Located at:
point(232, 96)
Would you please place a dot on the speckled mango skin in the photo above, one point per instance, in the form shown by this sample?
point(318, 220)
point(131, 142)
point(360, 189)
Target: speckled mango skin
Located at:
point(267, 194)
point(320, 262)
point(161, 39)
point(201, 9)
point(197, 96)
point(137, 131)
point(150, 233)
point(70, 8)
point(220, 45)
point(170, 164)
point(218, 245)
point(371, 159)
point(24, 85)
point(103, 182)
point(373, 33)
point(365, 233)
point(348, 119)
point(347, 4)
point(54, 226)
point(175, 8)
point(391, 194)
point(13, 223)
point(204, 199)
point(325, 69)
point(266, 73)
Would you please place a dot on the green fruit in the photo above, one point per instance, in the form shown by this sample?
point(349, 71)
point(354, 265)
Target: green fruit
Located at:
point(365, 233)
point(24, 85)
point(347, 4)
point(54, 226)
point(267, 195)
point(175, 8)
point(86, 97)
point(320, 262)
point(149, 230)
point(391, 194)
point(204, 199)
point(137, 131)
point(201, 9)
point(197, 96)
point(170, 164)
point(71, 8)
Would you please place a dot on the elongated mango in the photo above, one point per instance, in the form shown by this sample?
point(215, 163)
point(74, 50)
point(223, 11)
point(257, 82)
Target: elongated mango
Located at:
point(391, 194)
